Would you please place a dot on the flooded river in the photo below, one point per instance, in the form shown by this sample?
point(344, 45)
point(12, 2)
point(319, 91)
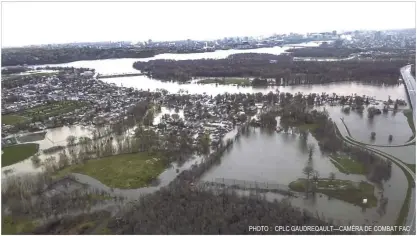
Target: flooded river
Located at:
point(264, 155)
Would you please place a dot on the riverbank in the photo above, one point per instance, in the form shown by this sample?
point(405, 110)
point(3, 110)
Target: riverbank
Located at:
point(226, 81)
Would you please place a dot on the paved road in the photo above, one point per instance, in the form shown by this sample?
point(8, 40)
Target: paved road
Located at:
point(411, 215)
point(410, 84)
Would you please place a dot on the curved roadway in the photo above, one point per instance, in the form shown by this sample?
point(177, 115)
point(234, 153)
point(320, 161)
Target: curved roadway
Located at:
point(410, 220)
point(410, 85)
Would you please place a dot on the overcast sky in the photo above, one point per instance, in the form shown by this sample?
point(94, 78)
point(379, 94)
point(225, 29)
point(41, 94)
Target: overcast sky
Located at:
point(26, 23)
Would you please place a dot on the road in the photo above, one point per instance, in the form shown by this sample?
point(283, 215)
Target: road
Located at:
point(410, 84)
point(411, 215)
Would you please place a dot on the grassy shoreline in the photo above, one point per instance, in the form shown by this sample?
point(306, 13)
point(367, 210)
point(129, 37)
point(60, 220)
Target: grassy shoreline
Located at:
point(409, 114)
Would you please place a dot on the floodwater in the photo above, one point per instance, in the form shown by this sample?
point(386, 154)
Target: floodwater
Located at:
point(406, 153)
point(266, 156)
point(58, 136)
point(54, 137)
point(170, 111)
point(262, 156)
point(342, 88)
point(360, 126)
point(125, 65)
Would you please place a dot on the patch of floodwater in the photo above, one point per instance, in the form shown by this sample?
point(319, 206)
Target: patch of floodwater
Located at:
point(268, 156)
point(170, 111)
point(324, 59)
point(58, 136)
point(360, 126)
point(279, 158)
point(406, 153)
point(341, 88)
point(54, 137)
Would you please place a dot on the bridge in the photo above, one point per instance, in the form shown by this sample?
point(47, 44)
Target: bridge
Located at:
point(410, 85)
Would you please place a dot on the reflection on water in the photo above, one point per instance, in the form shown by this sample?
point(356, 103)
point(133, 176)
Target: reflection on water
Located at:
point(58, 136)
point(405, 153)
point(54, 137)
point(360, 126)
point(266, 156)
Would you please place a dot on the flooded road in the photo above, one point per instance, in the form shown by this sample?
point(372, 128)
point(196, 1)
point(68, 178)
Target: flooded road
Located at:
point(265, 156)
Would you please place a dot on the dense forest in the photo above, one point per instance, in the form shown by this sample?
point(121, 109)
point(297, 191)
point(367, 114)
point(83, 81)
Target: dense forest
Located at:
point(40, 56)
point(276, 67)
point(187, 210)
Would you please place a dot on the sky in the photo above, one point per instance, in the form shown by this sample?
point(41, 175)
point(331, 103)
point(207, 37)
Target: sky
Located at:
point(31, 23)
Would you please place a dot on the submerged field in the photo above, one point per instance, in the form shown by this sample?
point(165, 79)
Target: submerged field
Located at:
point(360, 126)
point(264, 155)
point(268, 157)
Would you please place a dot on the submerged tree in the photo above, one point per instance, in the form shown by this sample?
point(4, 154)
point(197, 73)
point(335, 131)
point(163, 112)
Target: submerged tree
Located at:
point(373, 134)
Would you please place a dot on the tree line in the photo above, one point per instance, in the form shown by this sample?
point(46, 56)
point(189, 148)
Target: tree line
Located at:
point(40, 56)
point(284, 70)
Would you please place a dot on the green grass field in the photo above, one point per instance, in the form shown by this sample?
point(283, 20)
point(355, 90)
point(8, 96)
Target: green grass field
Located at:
point(16, 153)
point(310, 127)
point(52, 109)
point(45, 111)
point(12, 119)
point(348, 165)
point(344, 190)
point(10, 225)
point(409, 114)
point(125, 171)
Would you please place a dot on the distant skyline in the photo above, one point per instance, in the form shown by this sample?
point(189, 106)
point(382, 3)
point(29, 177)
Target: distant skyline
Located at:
point(33, 23)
